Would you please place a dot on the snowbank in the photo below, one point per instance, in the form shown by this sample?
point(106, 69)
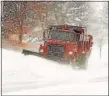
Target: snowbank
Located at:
point(36, 75)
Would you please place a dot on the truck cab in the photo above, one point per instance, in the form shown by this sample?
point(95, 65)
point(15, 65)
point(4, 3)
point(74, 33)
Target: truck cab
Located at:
point(65, 41)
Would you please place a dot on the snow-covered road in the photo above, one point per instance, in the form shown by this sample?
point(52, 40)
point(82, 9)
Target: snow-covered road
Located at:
point(32, 75)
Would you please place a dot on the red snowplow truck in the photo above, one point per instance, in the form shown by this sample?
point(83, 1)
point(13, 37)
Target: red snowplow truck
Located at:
point(66, 42)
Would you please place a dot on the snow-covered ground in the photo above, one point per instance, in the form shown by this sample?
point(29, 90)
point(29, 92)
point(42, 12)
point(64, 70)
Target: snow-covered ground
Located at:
point(32, 75)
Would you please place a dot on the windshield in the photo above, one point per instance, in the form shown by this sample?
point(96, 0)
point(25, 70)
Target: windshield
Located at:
point(62, 35)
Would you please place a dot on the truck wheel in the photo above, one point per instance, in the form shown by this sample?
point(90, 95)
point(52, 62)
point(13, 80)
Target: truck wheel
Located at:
point(82, 60)
point(72, 62)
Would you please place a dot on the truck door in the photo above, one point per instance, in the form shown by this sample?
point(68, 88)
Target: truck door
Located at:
point(78, 39)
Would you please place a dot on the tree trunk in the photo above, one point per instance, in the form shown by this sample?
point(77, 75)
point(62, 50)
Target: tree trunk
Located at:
point(21, 34)
point(21, 19)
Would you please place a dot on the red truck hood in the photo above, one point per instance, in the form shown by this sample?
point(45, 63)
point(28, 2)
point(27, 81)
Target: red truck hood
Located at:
point(58, 42)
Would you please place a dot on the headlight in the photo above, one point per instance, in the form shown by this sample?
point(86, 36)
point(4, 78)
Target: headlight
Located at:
point(83, 52)
point(70, 53)
point(41, 50)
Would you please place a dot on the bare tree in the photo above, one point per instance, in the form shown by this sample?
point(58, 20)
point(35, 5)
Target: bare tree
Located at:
point(13, 17)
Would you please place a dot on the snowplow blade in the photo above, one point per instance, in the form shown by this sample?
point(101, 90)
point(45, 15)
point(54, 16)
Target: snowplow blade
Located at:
point(56, 59)
point(27, 52)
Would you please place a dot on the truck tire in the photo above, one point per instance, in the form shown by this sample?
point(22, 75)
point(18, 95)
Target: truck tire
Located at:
point(82, 61)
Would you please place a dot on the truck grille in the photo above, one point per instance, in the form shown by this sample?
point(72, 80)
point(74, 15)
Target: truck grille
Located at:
point(55, 50)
